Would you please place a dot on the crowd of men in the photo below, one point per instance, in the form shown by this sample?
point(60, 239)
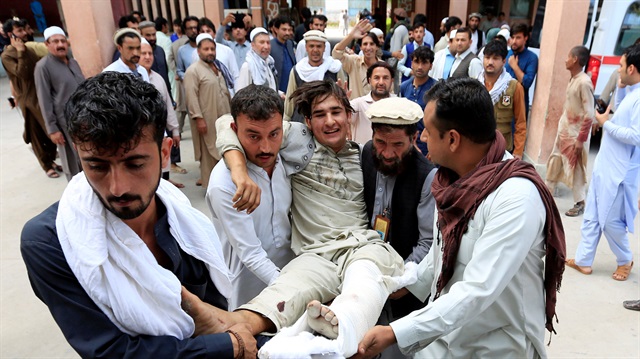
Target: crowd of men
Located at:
point(378, 182)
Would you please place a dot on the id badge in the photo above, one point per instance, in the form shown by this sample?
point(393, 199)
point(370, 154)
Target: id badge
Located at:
point(381, 225)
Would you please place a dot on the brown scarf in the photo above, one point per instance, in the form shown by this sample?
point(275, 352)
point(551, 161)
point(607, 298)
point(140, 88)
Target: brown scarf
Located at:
point(457, 199)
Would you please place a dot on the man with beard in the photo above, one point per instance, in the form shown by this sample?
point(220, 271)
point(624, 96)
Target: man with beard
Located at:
point(57, 76)
point(128, 43)
point(417, 86)
point(397, 191)
point(184, 59)
point(110, 258)
point(19, 61)
point(498, 252)
point(259, 67)
point(522, 63)
point(314, 67)
point(205, 84)
point(507, 95)
point(478, 37)
point(380, 77)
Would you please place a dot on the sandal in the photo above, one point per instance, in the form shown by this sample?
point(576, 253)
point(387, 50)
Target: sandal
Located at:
point(631, 304)
point(177, 169)
point(56, 167)
point(51, 173)
point(622, 272)
point(572, 263)
point(577, 210)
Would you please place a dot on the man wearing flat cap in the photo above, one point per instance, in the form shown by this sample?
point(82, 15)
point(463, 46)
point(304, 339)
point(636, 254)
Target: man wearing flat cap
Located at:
point(397, 192)
point(478, 38)
point(206, 86)
point(128, 43)
point(400, 30)
point(314, 67)
point(57, 77)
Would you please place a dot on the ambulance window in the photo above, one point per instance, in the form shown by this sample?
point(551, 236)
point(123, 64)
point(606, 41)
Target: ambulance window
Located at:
point(630, 29)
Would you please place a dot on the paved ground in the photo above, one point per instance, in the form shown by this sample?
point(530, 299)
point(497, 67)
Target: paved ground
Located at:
point(592, 324)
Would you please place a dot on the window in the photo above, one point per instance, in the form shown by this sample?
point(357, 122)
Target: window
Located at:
point(630, 29)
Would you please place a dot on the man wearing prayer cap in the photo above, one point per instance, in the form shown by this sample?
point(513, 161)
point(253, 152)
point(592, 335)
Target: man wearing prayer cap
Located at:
point(397, 192)
point(57, 76)
point(259, 67)
point(478, 38)
point(128, 43)
point(206, 85)
point(314, 67)
point(160, 66)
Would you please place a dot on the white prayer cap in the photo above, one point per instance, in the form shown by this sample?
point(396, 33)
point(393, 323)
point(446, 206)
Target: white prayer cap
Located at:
point(444, 20)
point(53, 30)
point(395, 111)
point(504, 33)
point(144, 42)
point(123, 31)
point(315, 35)
point(203, 37)
point(256, 31)
point(505, 26)
point(452, 34)
point(376, 31)
point(145, 24)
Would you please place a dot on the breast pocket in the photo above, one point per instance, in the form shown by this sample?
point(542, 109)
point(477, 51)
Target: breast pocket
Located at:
point(467, 244)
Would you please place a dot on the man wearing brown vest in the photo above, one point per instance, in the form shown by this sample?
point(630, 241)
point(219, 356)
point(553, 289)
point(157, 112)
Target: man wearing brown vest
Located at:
point(466, 62)
point(507, 95)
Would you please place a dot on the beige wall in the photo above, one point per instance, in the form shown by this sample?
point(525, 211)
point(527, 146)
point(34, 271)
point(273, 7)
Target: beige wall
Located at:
point(458, 8)
point(559, 35)
point(90, 26)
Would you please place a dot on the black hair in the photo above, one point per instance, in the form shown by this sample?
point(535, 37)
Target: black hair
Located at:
point(120, 38)
point(496, 47)
point(380, 64)
point(8, 25)
point(206, 22)
point(464, 30)
point(582, 53)
point(420, 19)
point(122, 23)
point(160, 22)
point(452, 22)
point(177, 22)
point(423, 54)
point(632, 54)
point(278, 21)
point(306, 13)
point(520, 28)
point(310, 93)
point(373, 38)
point(417, 25)
point(258, 102)
point(110, 111)
point(501, 13)
point(319, 17)
point(186, 20)
point(463, 104)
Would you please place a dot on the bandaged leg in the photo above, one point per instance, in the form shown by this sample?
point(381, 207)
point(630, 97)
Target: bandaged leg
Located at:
point(355, 310)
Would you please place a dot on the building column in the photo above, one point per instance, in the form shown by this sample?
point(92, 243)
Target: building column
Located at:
point(214, 10)
point(91, 27)
point(459, 8)
point(257, 13)
point(559, 35)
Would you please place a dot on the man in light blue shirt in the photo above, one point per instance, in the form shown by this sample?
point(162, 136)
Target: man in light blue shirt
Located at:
point(239, 44)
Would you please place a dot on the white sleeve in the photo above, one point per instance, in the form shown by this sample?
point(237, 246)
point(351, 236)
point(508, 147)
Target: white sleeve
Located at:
point(475, 68)
point(244, 78)
point(301, 51)
point(238, 229)
point(513, 221)
point(401, 67)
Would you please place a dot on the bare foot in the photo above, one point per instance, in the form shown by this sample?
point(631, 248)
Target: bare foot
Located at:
point(177, 184)
point(322, 319)
point(208, 319)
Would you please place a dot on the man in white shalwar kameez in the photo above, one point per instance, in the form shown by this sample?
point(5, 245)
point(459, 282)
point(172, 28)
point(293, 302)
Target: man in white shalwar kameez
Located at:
point(613, 192)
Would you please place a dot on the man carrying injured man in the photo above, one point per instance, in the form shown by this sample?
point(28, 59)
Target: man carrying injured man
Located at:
point(338, 259)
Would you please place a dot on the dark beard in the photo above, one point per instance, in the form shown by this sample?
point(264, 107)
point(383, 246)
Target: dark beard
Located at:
point(396, 168)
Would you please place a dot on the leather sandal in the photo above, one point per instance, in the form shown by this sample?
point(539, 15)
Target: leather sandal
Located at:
point(622, 272)
point(584, 270)
point(51, 173)
point(577, 210)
